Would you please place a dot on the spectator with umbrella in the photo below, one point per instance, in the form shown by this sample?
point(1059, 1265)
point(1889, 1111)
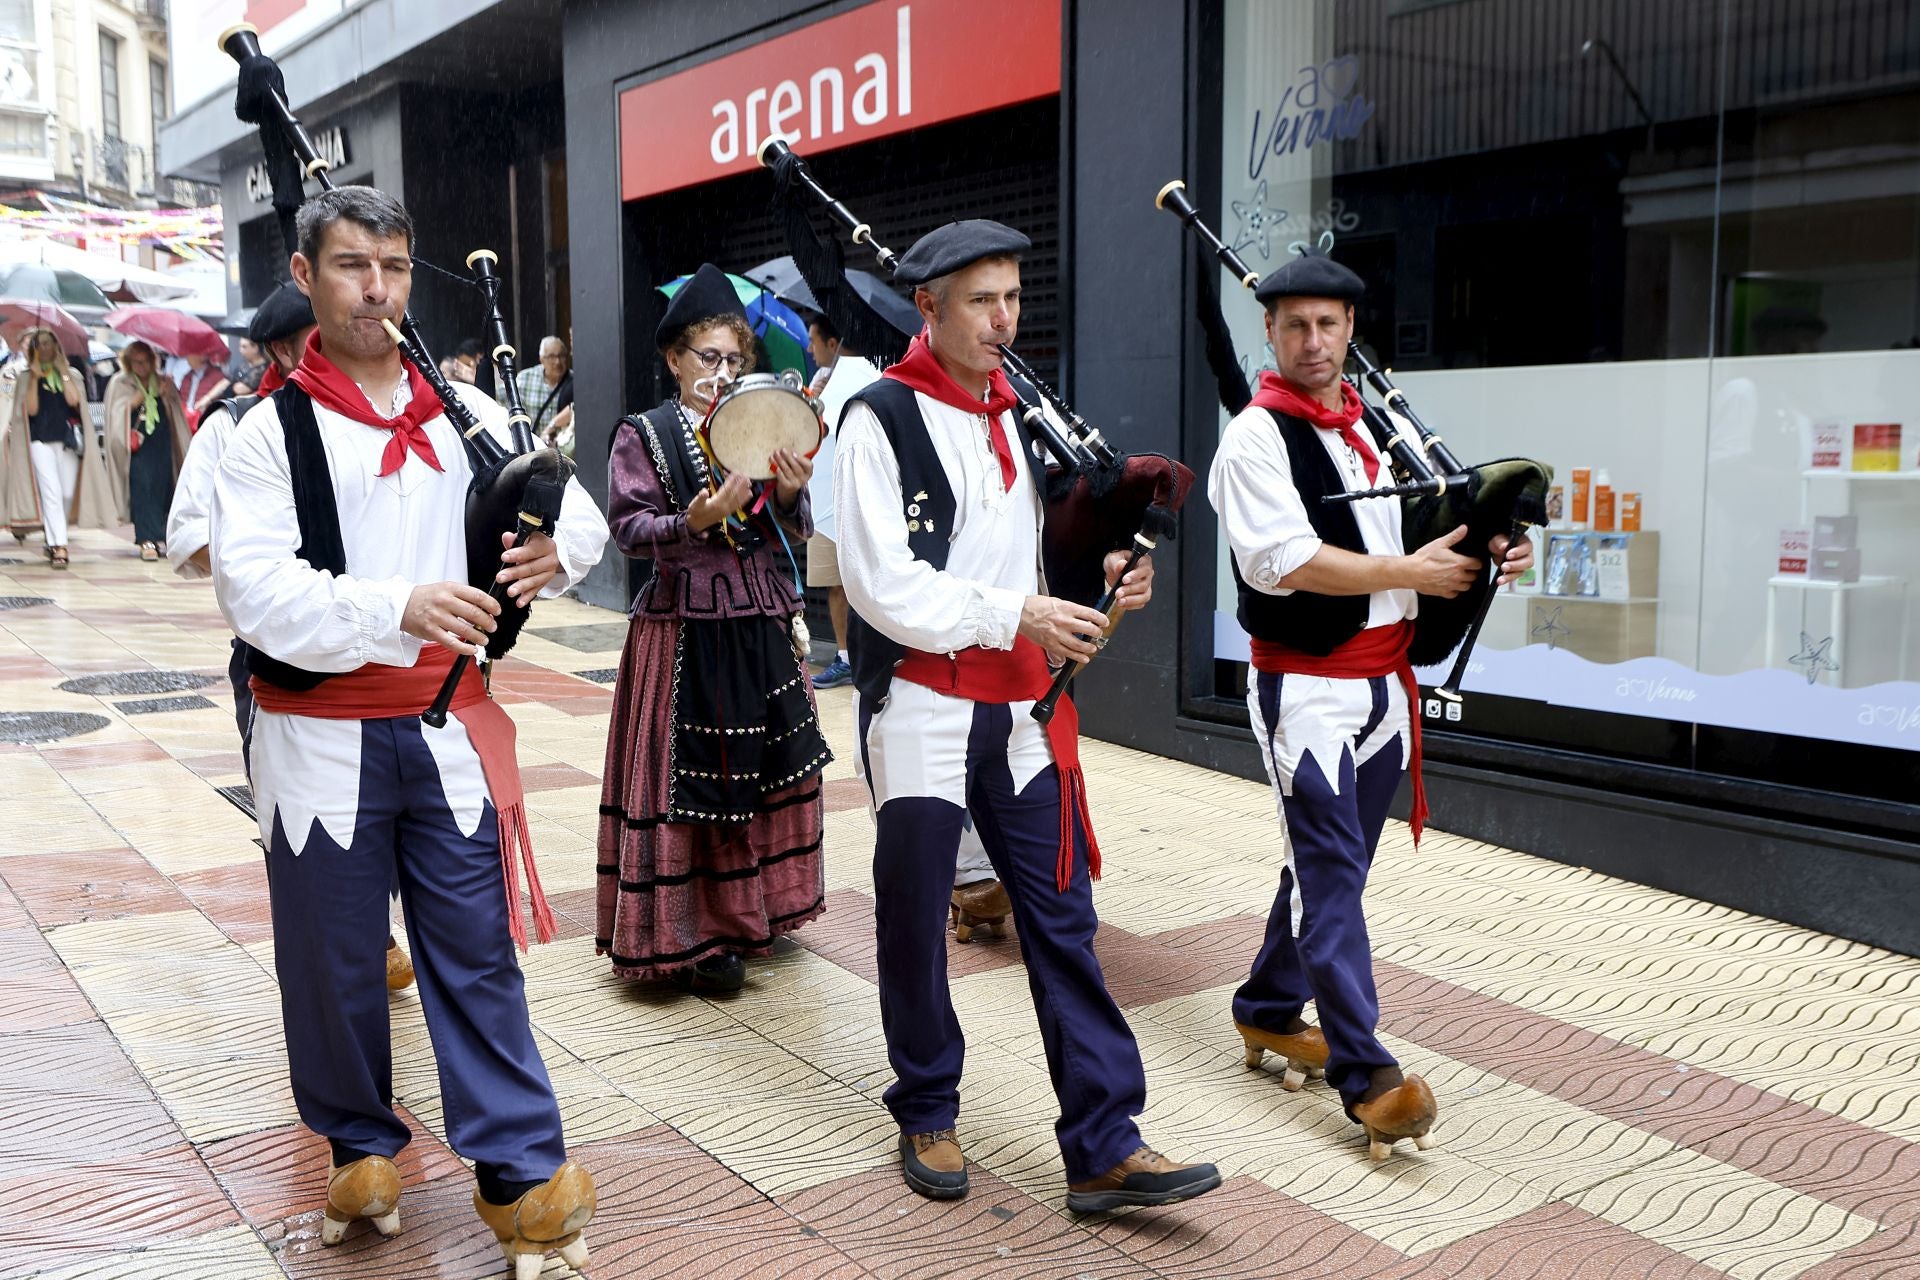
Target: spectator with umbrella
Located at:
point(203, 383)
point(147, 437)
point(51, 479)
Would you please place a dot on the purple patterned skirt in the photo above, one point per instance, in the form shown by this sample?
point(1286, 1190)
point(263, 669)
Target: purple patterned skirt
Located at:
point(710, 812)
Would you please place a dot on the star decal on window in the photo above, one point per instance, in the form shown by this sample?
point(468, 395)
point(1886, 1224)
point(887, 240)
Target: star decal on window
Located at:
point(1812, 658)
point(1257, 222)
point(1548, 627)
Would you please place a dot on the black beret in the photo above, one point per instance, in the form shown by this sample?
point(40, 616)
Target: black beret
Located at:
point(708, 294)
point(285, 312)
point(943, 251)
point(1311, 275)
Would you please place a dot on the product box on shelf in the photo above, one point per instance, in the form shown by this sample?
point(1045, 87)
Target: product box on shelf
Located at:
point(1876, 446)
point(1834, 564)
point(1795, 546)
point(1836, 533)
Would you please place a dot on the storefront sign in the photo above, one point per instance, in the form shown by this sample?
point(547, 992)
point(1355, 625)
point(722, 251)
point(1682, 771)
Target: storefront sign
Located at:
point(878, 70)
point(330, 143)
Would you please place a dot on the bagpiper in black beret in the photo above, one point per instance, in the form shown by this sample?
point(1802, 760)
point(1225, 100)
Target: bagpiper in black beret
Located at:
point(708, 294)
point(1311, 275)
point(285, 312)
point(947, 249)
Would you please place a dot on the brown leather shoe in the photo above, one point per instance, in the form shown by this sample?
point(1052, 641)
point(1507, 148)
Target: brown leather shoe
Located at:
point(399, 968)
point(980, 905)
point(548, 1217)
point(367, 1188)
point(1146, 1177)
point(933, 1165)
point(1305, 1052)
point(1405, 1111)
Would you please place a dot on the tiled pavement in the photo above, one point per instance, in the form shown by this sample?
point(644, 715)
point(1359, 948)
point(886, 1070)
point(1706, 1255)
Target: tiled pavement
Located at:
point(1632, 1084)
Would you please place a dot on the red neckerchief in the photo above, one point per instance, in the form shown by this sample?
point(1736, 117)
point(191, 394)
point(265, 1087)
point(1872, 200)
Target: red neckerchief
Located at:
point(271, 381)
point(921, 371)
point(320, 378)
point(1281, 396)
point(1375, 651)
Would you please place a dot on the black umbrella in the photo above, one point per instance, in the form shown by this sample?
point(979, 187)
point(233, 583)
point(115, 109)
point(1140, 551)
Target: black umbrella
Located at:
point(781, 278)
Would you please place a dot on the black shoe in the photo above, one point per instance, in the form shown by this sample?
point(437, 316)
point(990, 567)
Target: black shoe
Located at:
point(932, 1164)
point(723, 973)
point(1144, 1178)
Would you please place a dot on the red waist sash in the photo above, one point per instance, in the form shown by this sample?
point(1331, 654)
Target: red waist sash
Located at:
point(1018, 675)
point(1376, 651)
point(380, 692)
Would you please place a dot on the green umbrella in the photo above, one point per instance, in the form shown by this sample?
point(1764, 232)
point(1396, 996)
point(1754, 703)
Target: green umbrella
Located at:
point(68, 289)
point(778, 325)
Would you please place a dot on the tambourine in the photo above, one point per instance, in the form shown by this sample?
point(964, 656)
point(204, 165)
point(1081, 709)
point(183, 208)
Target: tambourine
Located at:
point(756, 417)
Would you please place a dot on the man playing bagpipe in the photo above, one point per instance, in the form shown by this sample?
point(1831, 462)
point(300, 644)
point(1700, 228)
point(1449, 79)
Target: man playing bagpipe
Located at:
point(1328, 595)
point(339, 555)
point(940, 543)
point(280, 328)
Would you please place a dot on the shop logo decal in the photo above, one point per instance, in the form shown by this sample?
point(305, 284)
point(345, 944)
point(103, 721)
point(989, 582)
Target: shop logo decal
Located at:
point(825, 101)
point(1890, 716)
point(1812, 658)
point(1321, 105)
point(1652, 690)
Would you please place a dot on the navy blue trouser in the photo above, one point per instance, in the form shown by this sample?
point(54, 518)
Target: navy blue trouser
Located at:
point(1332, 832)
point(329, 923)
point(1091, 1054)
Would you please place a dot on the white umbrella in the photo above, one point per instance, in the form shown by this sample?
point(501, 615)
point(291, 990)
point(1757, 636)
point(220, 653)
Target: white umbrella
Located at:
point(110, 273)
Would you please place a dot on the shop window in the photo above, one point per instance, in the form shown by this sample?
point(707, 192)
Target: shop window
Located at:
point(1671, 247)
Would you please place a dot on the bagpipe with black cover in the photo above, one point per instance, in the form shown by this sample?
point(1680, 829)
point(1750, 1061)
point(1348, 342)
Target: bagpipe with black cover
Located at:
point(1438, 492)
point(517, 491)
point(1098, 500)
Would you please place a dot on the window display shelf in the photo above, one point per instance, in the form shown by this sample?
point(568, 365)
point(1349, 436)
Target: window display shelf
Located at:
point(1842, 473)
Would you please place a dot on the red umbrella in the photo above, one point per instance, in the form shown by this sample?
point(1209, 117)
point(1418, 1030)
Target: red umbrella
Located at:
point(17, 315)
point(174, 332)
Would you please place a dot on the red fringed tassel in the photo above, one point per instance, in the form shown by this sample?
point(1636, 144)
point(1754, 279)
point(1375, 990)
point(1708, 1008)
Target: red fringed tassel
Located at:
point(1073, 803)
point(516, 846)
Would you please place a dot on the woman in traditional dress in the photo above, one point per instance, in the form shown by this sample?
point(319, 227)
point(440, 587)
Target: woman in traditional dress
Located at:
point(148, 426)
point(52, 476)
point(711, 809)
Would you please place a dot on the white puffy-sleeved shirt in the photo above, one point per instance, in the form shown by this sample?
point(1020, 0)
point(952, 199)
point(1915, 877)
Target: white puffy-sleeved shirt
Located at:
point(188, 519)
point(1265, 520)
point(993, 556)
point(400, 531)
point(917, 743)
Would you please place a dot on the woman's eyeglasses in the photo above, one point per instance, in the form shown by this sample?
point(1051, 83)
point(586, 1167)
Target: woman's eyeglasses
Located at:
point(711, 360)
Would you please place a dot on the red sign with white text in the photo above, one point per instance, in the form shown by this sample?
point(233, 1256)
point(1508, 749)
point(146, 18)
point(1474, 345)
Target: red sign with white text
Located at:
point(879, 70)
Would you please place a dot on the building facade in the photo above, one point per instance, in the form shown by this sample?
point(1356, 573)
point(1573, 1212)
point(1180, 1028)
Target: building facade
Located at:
point(1669, 247)
point(84, 87)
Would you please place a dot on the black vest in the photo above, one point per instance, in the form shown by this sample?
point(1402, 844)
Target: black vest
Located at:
point(1304, 620)
point(928, 507)
point(320, 542)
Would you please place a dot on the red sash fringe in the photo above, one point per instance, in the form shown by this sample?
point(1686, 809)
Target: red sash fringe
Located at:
point(379, 692)
point(1018, 675)
point(1376, 651)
